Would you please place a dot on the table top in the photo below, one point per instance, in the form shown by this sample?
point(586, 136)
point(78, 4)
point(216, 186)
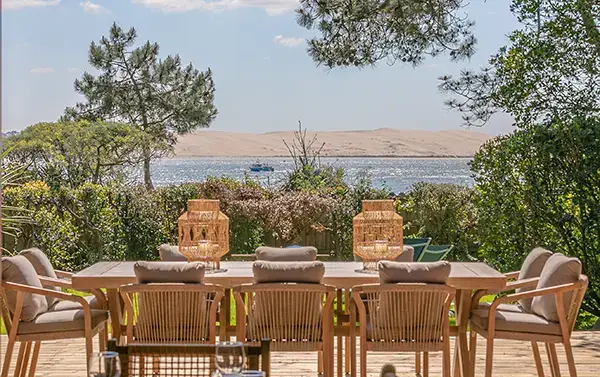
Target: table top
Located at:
point(463, 275)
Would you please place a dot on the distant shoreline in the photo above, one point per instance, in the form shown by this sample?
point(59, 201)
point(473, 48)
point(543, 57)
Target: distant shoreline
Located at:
point(385, 143)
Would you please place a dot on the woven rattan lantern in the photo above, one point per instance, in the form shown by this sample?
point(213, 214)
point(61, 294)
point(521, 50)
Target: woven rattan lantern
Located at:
point(204, 232)
point(377, 233)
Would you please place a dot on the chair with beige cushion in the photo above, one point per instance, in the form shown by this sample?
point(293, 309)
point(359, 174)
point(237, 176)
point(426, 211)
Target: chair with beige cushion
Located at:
point(29, 315)
point(288, 304)
point(286, 254)
point(406, 312)
point(556, 297)
point(170, 253)
point(171, 304)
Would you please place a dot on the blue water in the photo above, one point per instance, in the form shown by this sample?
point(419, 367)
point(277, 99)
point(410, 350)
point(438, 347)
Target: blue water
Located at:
point(397, 174)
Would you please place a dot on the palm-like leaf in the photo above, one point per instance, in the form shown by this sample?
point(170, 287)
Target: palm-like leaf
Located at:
point(13, 218)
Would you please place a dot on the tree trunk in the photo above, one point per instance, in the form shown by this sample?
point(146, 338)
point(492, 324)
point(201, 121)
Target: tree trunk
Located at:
point(147, 177)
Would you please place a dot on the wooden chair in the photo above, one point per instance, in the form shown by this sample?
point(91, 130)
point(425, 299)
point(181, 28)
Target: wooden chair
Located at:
point(296, 317)
point(401, 317)
point(51, 325)
point(182, 359)
point(171, 312)
point(504, 321)
point(418, 244)
point(434, 253)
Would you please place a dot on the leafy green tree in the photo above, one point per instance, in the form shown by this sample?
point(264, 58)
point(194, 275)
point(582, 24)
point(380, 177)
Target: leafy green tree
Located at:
point(550, 70)
point(362, 32)
point(540, 186)
point(74, 153)
point(160, 97)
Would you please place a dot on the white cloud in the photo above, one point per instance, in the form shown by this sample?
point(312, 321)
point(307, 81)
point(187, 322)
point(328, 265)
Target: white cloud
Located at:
point(41, 70)
point(272, 7)
point(90, 7)
point(288, 41)
point(72, 69)
point(20, 4)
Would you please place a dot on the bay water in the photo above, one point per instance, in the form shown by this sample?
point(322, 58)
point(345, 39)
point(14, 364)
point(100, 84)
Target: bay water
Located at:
point(395, 174)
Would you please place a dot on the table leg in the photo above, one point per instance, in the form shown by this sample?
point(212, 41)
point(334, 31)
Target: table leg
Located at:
point(116, 313)
point(462, 360)
point(347, 347)
point(225, 317)
point(340, 351)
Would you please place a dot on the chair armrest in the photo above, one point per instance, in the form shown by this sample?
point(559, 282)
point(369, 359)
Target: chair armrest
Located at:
point(52, 282)
point(512, 275)
point(537, 293)
point(63, 274)
point(510, 286)
point(46, 292)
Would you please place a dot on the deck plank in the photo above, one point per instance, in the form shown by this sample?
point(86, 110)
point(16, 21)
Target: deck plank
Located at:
point(511, 358)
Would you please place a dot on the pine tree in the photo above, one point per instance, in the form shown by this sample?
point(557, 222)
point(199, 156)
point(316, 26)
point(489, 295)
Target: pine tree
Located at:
point(157, 96)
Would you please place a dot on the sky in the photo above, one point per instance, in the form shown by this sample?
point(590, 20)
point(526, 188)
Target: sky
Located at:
point(265, 81)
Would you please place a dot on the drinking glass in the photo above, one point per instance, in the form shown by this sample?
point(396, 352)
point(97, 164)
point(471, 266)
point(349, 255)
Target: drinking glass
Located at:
point(229, 357)
point(105, 364)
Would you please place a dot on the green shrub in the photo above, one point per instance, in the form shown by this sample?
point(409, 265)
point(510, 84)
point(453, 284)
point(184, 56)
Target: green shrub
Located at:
point(444, 212)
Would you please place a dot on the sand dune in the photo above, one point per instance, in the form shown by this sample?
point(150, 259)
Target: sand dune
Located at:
point(382, 142)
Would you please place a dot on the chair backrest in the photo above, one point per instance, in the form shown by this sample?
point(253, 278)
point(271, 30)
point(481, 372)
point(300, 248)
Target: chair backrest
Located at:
point(434, 253)
point(419, 244)
point(171, 312)
point(294, 316)
point(151, 360)
point(414, 316)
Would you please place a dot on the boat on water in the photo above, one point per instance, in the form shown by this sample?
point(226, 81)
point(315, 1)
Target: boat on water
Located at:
point(261, 167)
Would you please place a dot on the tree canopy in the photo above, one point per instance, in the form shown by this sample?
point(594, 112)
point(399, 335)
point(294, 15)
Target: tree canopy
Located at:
point(550, 69)
point(160, 97)
point(363, 32)
point(74, 153)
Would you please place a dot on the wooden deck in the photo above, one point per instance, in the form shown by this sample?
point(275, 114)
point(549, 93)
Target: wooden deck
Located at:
point(511, 358)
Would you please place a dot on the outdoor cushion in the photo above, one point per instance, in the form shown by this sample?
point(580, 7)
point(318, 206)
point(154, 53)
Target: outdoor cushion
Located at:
point(414, 272)
point(72, 305)
point(43, 267)
point(516, 321)
point(169, 272)
point(63, 320)
point(170, 253)
point(288, 272)
point(559, 269)
point(532, 268)
point(407, 255)
point(503, 307)
point(19, 270)
point(290, 254)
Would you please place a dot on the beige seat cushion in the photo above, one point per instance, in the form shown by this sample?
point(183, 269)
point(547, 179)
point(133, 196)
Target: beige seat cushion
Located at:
point(59, 321)
point(559, 269)
point(290, 254)
point(43, 267)
point(169, 272)
point(288, 272)
point(532, 268)
point(516, 321)
point(503, 307)
point(72, 305)
point(170, 253)
point(19, 270)
point(414, 272)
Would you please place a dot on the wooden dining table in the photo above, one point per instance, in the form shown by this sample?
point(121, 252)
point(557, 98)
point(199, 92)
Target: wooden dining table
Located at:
point(465, 277)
